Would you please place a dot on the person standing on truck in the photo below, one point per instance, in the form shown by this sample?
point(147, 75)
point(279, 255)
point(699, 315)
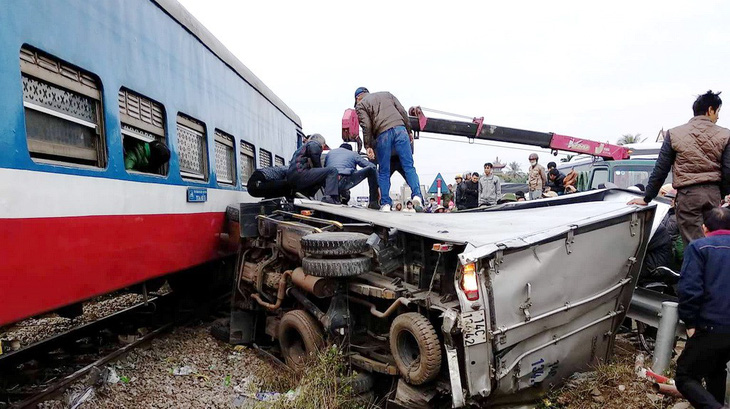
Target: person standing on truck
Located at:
point(386, 129)
point(346, 162)
point(705, 309)
point(536, 177)
point(698, 154)
point(471, 192)
point(490, 187)
point(459, 193)
point(556, 181)
point(306, 171)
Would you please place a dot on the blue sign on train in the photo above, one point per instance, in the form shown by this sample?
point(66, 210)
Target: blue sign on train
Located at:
point(197, 195)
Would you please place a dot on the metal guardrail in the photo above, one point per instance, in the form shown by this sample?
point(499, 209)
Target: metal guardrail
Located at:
point(646, 307)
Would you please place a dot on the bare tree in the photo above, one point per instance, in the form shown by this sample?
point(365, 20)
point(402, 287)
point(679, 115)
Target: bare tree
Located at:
point(629, 138)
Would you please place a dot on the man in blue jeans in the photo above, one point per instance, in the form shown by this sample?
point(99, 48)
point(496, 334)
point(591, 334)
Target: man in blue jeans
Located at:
point(346, 162)
point(704, 306)
point(386, 132)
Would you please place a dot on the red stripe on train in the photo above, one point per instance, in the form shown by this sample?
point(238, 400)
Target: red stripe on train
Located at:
point(46, 263)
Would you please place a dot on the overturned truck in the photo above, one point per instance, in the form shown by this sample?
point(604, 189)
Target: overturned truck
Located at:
point(490, 307)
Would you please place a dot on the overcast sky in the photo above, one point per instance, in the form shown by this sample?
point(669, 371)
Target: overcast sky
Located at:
point(589, 69)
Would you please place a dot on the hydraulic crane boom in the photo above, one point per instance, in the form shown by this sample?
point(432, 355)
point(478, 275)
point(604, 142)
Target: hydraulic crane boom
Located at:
point(477, 129)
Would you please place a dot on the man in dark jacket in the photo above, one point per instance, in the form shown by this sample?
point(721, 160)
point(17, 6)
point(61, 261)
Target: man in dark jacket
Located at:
point(346, 162)
point(460, 193)
point(471, 192)
point(704, 306)
point(386, 129)
point(306, 171)
point(555, 181)
point(699, 155)
point(269, 182)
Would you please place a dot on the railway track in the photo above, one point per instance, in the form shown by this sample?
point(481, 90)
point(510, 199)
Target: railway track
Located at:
point(47, 368)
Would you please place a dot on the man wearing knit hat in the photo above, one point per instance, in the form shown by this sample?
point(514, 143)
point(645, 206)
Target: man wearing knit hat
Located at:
point(386, 132)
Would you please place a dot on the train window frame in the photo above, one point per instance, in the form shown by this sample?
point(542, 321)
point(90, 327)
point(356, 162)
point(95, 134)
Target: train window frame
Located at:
point(67, 99)
point(244, 149)
point(279, 161)
point(226, 142)
point(196, 128)
point(144, 123)
point(265, 156)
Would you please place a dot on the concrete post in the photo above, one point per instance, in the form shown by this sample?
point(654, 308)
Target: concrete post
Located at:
point(665, 337)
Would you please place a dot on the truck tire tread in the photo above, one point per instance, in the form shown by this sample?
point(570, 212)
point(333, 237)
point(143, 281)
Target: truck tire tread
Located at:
point(336, 268)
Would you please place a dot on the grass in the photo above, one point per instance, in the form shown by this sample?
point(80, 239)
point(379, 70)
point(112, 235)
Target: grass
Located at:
point(321, 384)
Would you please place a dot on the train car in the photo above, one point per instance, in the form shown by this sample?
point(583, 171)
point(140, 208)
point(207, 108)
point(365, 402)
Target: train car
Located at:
point(84, 84)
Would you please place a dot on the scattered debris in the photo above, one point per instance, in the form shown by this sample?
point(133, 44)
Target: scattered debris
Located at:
point(187, 370)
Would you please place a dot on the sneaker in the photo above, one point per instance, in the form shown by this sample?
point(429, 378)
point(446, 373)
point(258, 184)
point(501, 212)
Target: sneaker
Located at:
point(329, 200)
point(417, 201)
point(374, 206)
point(385, 208)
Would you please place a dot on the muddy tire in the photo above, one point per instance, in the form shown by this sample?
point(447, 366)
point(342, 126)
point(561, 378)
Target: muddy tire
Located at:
point(336, 268)
point(299, 337)
point(221, 330)
point(335, 244)
point(415, 347)
point(360, 383)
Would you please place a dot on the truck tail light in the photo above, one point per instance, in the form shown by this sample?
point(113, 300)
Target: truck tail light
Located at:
point(469, 282)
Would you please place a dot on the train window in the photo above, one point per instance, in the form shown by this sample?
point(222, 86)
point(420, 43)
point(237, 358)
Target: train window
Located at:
point(264, 158)
point(225, 161)
point(193, 148)
point(248, 161)
point(278, 160)
point(142, 121)
point(63, 111)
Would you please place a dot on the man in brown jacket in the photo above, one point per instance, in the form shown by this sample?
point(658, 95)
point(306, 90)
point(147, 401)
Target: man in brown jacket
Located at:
point(386, 132)
point(699, 157)
point(536, 177)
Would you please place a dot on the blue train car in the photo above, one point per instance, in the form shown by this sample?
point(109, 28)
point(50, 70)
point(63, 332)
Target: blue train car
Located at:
point(86, 84)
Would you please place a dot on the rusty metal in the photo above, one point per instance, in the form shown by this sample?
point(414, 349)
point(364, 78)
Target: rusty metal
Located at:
point(667, 389)
point(317, 286)
point(272, 326)
point(308, 305)
point(289, 237)
point(374, 310)
point(279, 296)
point(371, 365)
point(373, 291)
point(248, 272)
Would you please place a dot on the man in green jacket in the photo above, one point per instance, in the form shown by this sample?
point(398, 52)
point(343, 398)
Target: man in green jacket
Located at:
point(146, 157)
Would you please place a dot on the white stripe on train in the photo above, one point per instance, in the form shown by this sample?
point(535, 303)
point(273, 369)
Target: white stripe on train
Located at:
point(32, 194)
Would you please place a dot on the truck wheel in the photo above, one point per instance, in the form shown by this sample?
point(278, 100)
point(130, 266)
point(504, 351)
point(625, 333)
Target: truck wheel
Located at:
point(299, 337)
point(415, 347)
point(360, 383)
point(335, 244)
point(336, 268)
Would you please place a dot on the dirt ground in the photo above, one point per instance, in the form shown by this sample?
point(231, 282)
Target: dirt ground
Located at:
point(189, 369)
point(613, 386)
point(184, 369)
